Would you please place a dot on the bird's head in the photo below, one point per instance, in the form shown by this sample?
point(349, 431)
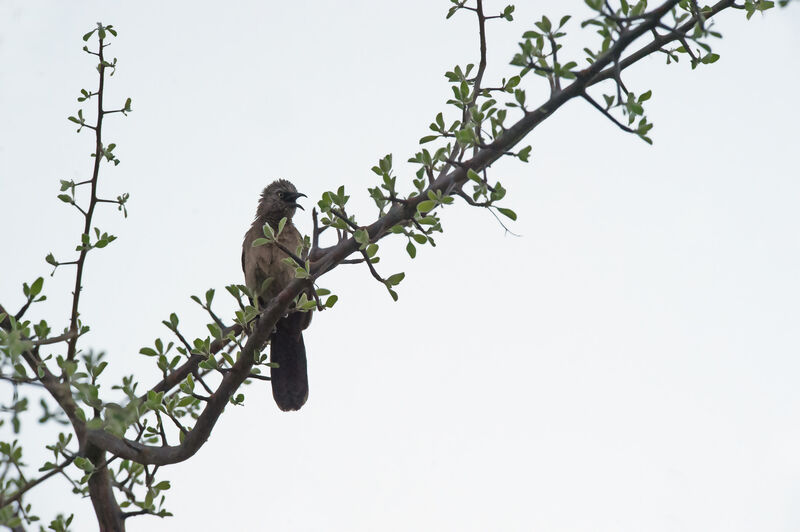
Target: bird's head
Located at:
point(279, 200)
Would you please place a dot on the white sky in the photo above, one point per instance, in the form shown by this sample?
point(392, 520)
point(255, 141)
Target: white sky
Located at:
point(629, 363)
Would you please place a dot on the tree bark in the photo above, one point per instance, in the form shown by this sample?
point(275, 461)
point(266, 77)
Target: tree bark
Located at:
point(109, 515)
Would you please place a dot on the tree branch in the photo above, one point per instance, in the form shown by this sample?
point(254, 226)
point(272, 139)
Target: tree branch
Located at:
point(33, 483)
point(232, 379)
point(98, 156)
point(329, 258)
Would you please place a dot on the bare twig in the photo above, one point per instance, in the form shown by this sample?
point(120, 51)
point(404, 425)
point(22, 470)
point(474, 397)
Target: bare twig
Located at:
point(56, 339)
point(608, 115)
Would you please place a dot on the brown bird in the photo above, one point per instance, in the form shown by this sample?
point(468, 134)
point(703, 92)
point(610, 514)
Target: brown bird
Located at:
point(290, 378)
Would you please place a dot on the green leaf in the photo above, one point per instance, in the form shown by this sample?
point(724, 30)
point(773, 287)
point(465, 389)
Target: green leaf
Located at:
point(471, 174)
point(36, 287)
point(96, 371)
point(544, 25)
point(148, 351)
point(84, 464)
point(412, 251)
point(66, 198)
point(395, 279)
point(426, 206)
point(361, 236)
point(386, 163)
point(507, 212)
point(265, 284)
point(512, 82)
point(214, 329)
point(428, 138)
point(260, 242)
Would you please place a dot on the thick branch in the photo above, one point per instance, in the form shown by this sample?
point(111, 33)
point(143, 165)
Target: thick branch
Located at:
point(195, 438)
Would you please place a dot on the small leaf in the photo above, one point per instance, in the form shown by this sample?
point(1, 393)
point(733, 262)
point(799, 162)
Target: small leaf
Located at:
point(361, 236)
point(395, 279)
point(507, 212)
point(148, 351)
point(425, 206)
point(36, 287)
point(84, 464)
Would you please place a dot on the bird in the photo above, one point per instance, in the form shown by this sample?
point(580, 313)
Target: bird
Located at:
point(289, 375)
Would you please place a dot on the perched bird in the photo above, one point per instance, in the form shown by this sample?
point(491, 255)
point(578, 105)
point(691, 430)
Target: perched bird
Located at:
point(290, 378)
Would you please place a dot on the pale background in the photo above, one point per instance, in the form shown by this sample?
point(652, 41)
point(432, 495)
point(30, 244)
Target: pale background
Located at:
point(629, 363)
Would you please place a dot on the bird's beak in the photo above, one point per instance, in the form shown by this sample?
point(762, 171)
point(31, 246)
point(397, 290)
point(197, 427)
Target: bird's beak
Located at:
point(291, 199)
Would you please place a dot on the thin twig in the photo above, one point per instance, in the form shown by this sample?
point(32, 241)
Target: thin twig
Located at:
point(33, 483)
point(607, 114)
point(98, 155)
point(56, 339)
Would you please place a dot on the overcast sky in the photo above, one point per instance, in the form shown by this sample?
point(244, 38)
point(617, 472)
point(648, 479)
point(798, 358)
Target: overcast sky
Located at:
point(629, 363)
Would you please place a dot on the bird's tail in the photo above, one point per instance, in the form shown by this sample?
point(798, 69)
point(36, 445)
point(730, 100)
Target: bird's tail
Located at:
point(290, 378)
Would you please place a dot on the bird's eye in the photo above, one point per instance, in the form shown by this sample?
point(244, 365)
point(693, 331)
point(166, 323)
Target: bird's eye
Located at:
point(280, 195)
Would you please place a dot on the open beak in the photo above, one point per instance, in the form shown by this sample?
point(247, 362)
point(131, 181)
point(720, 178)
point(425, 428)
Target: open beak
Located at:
point(291, 199)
